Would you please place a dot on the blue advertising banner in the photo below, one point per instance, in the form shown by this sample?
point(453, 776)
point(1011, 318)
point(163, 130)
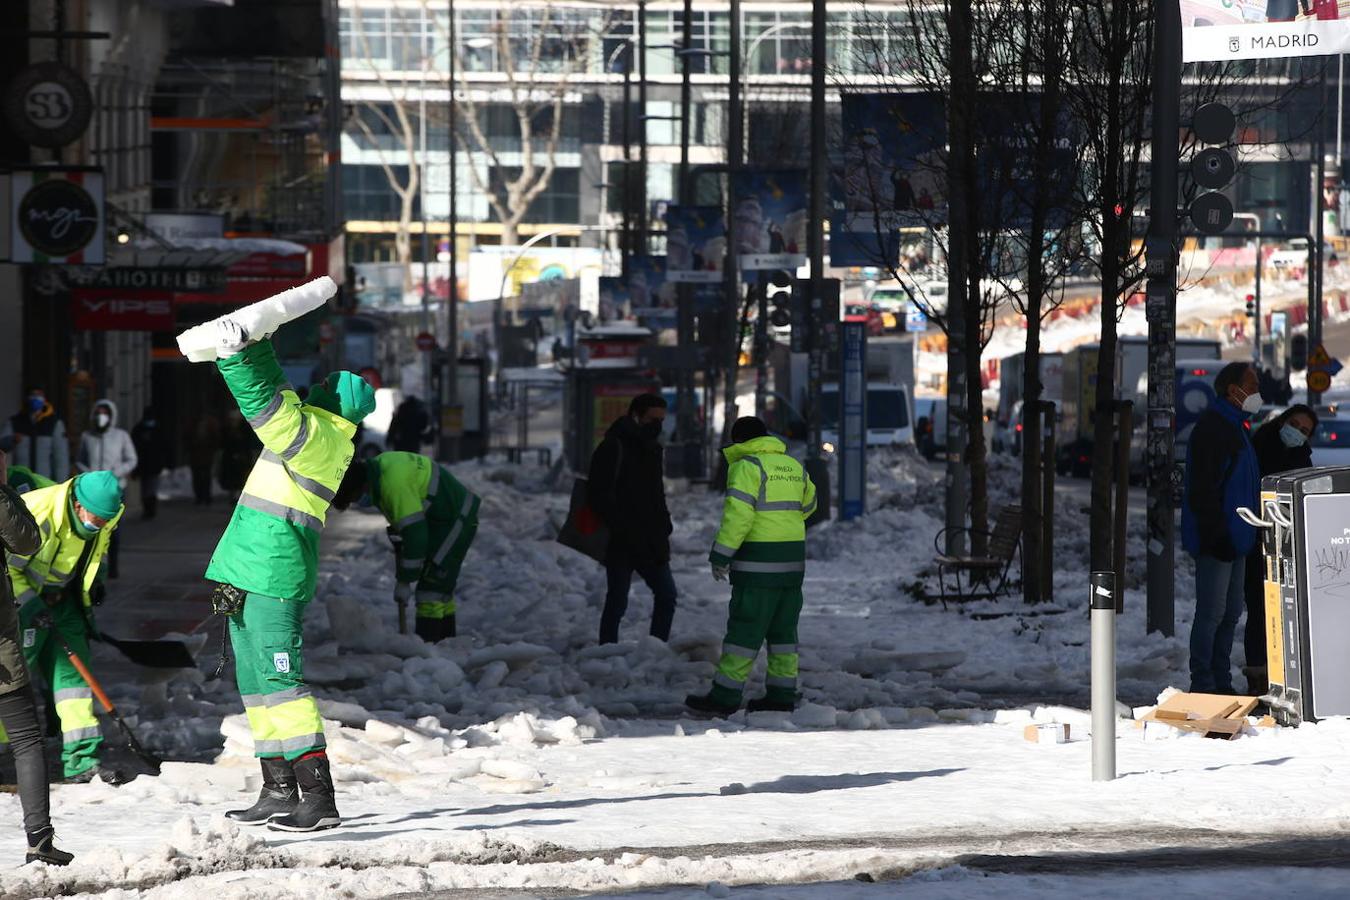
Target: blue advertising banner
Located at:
point(769, 219)
point(853, 421)
point(1008, 146)
point(887, 175)
point(696, 241)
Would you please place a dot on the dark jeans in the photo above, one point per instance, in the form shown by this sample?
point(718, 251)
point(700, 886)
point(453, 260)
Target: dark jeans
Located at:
point(1254, 633)
point(18, 714)
point(201, 484)
point(149, 496)
point(620, 579)
point(1219, 601)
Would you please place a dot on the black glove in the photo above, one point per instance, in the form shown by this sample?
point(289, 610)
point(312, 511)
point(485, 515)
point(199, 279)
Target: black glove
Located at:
point(97, 594)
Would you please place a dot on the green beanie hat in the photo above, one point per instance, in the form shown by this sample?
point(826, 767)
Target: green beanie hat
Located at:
point(99, 493)
point(345, 394)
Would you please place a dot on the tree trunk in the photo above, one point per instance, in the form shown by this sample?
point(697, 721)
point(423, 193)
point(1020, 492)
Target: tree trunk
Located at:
point(403, 239)
point(1101, 528)
point(977, 456)
point(510, 234)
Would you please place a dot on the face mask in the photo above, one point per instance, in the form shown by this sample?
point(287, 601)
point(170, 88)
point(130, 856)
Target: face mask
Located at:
point(88, 528)
point(1291, 437)
point(650, 430)
point(35, 404)
point(102, 420)
point(1252, 404)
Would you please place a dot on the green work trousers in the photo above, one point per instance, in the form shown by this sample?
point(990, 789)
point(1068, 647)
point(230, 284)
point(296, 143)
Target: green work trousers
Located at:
point(44, 653)
point(760, 615)
point(269, 667)
point(436, 588)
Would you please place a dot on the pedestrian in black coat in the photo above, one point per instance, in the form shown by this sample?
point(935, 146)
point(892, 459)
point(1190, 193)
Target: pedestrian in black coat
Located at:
point(1281, 446)
point(627, 491)
point(152, 458)
point(408, 427)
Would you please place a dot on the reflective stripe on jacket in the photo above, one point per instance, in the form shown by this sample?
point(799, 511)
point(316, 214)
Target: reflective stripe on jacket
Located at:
point(54, 563)
point(418, 498)
point(271, 545)
point(763, 531)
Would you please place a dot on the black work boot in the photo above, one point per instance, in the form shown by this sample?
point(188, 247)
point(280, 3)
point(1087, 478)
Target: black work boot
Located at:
point(279, 795)
point(448, 626)
point(318, 805)
point(427, 629)
point(708, 705)
point(770, 704)
point(41, 848)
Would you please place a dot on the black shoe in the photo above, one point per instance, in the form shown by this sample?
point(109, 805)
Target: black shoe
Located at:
point(106, 774)
point(427, 629)
point(448, 626)
point(279, 795)
point(705, 704)
point(41, 848)
point(318, 806)
point(764, 704)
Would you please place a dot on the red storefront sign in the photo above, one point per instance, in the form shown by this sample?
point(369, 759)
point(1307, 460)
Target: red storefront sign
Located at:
point(96, 310)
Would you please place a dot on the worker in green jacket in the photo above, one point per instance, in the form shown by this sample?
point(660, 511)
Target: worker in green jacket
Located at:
point(55, 589)
point(432, 522)
point(266, 564)
point(24, 479)
point(761, 545)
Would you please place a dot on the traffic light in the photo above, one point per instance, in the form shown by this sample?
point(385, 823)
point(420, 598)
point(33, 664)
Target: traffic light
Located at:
point(1212, 168)
point(1251, 306)
point(779, 292)
point(1298, 353)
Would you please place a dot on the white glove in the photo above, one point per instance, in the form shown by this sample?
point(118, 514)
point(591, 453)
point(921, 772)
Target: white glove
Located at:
point(402, 593)
point(721, 573)
point(230, 338)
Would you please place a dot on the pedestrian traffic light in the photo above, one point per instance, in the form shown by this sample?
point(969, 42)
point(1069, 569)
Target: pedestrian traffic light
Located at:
point(1251, 306)
point(779, 294)
point(1298, 353)
point(1213, 168)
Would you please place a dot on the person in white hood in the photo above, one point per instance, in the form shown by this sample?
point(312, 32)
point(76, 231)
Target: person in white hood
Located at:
point(104, 446)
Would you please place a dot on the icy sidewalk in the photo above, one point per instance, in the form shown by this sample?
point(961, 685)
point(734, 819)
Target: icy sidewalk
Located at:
point(709, 805)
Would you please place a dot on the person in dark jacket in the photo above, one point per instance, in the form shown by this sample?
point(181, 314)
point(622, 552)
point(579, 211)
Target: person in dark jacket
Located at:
point(152, 455)
point(1221, 476)
point(1281, 445)
point(628, 493)
point(408, 426)
point(18, 710)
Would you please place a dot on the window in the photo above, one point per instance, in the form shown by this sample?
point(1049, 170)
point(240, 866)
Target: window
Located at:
point(367, 194)
point(560, 201)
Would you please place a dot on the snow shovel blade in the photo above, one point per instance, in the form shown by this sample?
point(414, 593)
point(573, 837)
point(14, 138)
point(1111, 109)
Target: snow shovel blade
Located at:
point(154, 654)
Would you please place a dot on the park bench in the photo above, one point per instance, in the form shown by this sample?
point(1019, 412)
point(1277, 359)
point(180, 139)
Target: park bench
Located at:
point(982, 577)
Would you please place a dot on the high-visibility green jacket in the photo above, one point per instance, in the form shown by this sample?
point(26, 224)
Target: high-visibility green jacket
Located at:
point(57, 562)
point(422, 502)
point(271, 545)
point(769, 499)
point(24, 479)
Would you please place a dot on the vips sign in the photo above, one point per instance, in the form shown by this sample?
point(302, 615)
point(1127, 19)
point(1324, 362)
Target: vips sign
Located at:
point(1257, 29)
point(104, 311)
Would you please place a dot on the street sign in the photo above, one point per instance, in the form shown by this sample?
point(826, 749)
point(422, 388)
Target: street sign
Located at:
point(1319, 358)
point(853, 422)
point(426, 342)
point(1318, 381)
point(48, 105)
point(915, 320)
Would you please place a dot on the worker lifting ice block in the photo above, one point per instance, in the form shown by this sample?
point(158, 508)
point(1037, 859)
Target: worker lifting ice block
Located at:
point(258, 320)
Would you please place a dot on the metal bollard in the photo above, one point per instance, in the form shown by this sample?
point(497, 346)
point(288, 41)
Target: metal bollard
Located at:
point(1103, 604)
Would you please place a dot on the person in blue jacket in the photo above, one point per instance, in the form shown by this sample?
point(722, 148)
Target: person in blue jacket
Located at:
point(1222, 475)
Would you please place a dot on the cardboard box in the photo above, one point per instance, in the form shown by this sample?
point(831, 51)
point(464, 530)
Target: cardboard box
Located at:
point(1213, 715)
point(1047, 733)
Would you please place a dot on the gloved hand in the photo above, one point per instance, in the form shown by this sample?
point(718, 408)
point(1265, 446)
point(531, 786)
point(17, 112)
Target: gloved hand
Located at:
point(720, 573)
point(402, 593)
point(97, 594)
point(230, 338)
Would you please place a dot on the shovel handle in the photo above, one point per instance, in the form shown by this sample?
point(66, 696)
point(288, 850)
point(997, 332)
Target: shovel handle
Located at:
point(89, 679)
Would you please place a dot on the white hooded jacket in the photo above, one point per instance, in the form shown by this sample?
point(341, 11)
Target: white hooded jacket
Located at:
point(111, 449)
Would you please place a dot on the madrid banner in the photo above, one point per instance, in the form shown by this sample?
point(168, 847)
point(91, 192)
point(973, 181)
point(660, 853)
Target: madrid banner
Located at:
point(1256, 29)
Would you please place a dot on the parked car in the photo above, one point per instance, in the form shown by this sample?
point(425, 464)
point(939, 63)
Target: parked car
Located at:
point(1295, 255)
point(930, 426)
point(863, 312)
point(1331, 443)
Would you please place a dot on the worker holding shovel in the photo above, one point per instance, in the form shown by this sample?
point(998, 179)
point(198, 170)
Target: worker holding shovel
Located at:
point(56, 587)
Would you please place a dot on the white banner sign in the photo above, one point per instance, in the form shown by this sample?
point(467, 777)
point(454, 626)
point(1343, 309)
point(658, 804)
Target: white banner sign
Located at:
point(1258, 29)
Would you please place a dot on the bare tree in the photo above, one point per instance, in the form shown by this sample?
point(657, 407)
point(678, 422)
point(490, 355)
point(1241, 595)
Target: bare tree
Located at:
point(539, 50)
point(395, 113)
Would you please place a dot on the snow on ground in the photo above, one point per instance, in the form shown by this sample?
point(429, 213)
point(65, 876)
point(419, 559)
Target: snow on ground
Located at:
point(522, 755)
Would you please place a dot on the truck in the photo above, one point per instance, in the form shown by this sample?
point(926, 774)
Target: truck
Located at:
point(1008, 418)
point(1074, 432)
